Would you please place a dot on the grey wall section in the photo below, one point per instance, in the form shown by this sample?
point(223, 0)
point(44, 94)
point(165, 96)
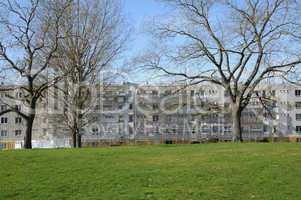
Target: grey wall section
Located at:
point(159, 113)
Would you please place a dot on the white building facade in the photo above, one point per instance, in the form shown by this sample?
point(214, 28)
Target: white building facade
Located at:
point(157, 114)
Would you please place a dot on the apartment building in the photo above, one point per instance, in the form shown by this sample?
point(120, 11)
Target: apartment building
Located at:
point(130, 112)
point(12, 125)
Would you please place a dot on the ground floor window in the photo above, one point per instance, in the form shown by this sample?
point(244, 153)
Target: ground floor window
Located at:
point(298, 129)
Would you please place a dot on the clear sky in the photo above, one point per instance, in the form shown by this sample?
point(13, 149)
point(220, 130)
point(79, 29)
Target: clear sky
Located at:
point(138, 11)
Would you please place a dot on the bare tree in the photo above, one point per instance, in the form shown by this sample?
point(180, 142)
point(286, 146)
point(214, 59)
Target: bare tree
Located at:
point(27, 52)
point(234, 44)
point(95, 36)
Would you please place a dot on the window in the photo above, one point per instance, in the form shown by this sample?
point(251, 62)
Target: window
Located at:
point(131, 118)
point(18, 94)
point(226, 93)
point(274, 104)
point(18, 120)
point(265, 128)
point(97, 107)
point(109, 117)
point(121, 99)
point(155, 106)
point(18, 107)
point(56, 105)
point(298, 116)
point(3, 107)
point(95, 131)
point(228, 128)
point(167, 92)
point(298, 93)
point(227, 105)
point(298, 105)
point(131, 106)
point(141, 91)
point(18, 132)
point(284, 91)
point(154, 92)
point(215, 129)
point(211, 92)
point(192, 93)
point(4, 120)
point(107, 107)
point(298, 129)
point(155, 118)
point(4, 133)
point(120, 120)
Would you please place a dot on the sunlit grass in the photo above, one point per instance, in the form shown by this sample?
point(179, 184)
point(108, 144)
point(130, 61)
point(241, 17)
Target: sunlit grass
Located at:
point(203, 171)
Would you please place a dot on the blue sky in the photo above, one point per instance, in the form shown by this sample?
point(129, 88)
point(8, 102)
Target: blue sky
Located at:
point(138, 11)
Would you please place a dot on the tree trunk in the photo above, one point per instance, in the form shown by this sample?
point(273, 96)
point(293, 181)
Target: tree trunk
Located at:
point(79, 140)
point(28, 133)
point(74, 138)
point(236, 127)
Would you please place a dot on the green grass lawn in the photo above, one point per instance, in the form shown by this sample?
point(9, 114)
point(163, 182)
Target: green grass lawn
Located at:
point(204, 171)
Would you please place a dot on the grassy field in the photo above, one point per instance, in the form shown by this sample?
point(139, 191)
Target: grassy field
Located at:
point(209, 171)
